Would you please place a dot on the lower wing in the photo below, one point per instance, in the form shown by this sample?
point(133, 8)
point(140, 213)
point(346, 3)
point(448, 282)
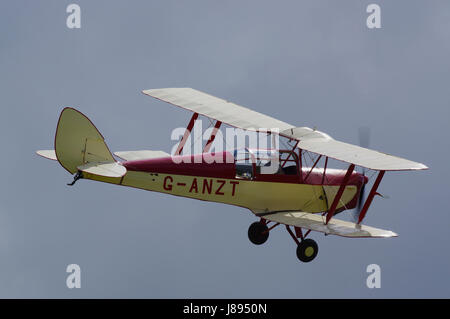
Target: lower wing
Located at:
point(338, 227)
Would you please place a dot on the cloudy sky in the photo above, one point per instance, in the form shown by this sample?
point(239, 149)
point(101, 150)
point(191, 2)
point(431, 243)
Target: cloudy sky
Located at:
point(309, 63)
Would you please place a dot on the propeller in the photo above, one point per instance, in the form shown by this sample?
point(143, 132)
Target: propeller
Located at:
point(360, 199)
point(364, 140)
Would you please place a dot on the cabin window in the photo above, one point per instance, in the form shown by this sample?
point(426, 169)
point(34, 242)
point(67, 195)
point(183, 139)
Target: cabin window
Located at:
point(289, 162)
point(244, 164)
point(286, 165)
point(266, 162)
point(263, 162)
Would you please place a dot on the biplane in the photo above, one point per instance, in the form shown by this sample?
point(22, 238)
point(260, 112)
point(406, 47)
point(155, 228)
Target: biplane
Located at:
point(298, 195)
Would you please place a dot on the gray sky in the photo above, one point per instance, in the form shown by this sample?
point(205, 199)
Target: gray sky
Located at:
point(309, 63)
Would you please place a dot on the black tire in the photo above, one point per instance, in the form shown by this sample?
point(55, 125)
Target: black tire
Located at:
point(307, 250)
point(258, 233)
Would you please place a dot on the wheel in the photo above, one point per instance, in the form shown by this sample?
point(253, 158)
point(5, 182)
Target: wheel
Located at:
point(258, 233)
point(307, 250)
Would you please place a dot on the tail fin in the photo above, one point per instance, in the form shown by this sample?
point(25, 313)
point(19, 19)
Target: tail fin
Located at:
point(80, 146)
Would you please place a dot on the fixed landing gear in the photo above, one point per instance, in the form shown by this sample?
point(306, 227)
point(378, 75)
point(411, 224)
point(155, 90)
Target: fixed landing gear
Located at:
point(258, 233)
point(307, 249)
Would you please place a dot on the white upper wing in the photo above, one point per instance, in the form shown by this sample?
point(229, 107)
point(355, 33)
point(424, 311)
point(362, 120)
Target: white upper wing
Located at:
point(321, 143)
point(309, 140)
point(216, 108)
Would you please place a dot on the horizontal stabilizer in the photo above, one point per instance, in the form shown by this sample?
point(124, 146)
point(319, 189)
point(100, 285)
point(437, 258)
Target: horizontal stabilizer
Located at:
point(140, 155)
point(334, 227)
point(49, 154)
point(106, 169)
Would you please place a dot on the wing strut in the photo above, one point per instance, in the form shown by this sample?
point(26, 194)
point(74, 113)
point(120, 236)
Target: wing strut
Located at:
point(369, 199)
point(212, 137)
point(289, 156)
point(340, 192)
point(312, 168)
point(186, 134)
point(294, 237)
point(324, 170)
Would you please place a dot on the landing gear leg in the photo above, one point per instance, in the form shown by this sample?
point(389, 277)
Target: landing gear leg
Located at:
point(307, 249)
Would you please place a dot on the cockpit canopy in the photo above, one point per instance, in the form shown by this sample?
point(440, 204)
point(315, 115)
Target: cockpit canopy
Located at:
point(251, 162)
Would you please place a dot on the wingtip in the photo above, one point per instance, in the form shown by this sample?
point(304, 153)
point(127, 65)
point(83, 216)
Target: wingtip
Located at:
point(421, 167)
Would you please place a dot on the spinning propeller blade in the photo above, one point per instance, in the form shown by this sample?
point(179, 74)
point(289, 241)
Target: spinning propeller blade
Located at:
point(364, 136)
point(364, 141)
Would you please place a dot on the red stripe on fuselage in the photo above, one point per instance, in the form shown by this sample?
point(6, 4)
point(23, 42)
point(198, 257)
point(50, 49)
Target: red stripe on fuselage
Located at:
point(190, 165)
point(202, 165)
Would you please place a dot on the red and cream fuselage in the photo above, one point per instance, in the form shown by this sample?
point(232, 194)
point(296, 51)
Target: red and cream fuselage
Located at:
point(195, 176)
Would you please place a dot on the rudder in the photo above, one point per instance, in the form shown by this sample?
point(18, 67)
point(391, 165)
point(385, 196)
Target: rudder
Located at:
point(78, 142)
